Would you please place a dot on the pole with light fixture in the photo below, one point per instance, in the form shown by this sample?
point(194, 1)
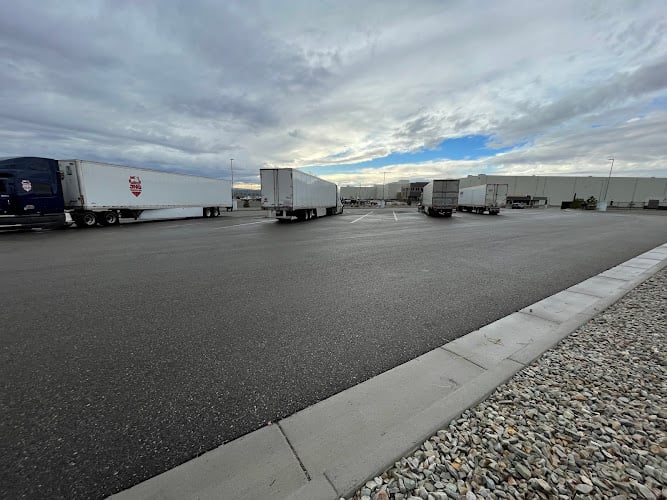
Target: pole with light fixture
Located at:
point(231, 167)
point(609, 178)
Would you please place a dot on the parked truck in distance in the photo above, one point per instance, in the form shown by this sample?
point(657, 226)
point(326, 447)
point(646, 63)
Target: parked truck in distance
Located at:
point(483, 198)
point(440, 197)
point(292, 194)
point(43, 192)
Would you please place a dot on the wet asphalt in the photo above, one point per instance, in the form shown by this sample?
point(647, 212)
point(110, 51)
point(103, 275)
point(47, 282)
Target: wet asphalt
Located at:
point(125, 351)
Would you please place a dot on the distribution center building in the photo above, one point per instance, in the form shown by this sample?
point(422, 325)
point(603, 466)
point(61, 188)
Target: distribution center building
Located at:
point(621, 192)
point(538, 190)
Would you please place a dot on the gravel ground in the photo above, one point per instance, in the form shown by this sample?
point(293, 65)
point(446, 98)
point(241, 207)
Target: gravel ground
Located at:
point(586, 420)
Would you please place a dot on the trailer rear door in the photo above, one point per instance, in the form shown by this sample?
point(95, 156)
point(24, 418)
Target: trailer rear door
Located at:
point(276, 188)
point(445, 193)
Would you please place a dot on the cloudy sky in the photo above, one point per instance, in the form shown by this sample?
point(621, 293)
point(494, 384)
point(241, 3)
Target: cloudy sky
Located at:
point(353, 91)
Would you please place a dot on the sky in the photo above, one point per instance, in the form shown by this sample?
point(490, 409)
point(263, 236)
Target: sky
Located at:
point(357, 92)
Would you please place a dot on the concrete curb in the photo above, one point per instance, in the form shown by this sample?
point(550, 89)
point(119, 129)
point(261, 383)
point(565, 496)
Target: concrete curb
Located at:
point(329, 449)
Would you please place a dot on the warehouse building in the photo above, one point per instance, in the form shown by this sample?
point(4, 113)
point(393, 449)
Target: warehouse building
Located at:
point(413, 193)
point(389, 191)
point(537, 190)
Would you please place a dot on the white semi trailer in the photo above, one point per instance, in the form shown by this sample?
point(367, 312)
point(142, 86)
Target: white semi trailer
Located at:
point(102, 193)
point(483, 198)
point(440, 197)
point(292, 194)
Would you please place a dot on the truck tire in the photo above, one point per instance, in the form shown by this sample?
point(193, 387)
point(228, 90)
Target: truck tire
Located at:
point(86, 219)
point(207, 212)
point(108, 218)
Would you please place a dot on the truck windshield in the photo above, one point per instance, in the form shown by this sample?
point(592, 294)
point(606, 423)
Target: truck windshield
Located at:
point(42, 189)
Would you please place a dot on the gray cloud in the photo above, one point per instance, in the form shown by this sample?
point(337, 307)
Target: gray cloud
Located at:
point(187, 85)
point(642, 83)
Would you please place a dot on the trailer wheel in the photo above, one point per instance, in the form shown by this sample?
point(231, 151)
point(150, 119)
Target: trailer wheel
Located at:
point(207, 212)
point(108, 218)
point(87, 219)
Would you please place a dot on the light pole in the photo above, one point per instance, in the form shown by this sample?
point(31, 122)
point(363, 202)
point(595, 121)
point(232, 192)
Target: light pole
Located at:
point(384, 182)
point(231, 167)
point(609, 178)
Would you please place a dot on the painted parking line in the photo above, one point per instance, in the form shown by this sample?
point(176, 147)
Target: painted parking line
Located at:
point(395, 216)
point(355, 220)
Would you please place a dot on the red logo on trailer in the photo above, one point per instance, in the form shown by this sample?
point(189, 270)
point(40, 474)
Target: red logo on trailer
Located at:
point(135, 185)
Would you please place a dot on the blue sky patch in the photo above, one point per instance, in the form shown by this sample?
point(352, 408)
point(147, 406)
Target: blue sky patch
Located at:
point(470, 147)
point(658, 103)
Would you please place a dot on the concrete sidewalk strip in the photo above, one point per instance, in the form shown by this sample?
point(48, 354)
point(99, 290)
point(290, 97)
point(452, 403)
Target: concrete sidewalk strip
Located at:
point(350, 425)
point(600, 286)
point(561, 306)
point(661, 249)
point(623, 272)
point(327, 450)
point(499, 340)
point(258, 465)
point(642, 262)
point(357, 463)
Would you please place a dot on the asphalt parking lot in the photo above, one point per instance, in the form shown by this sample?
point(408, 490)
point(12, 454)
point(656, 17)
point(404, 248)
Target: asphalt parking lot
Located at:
point(129, 350)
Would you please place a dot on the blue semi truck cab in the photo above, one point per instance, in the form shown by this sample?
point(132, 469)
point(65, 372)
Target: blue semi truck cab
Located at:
point(31, 193)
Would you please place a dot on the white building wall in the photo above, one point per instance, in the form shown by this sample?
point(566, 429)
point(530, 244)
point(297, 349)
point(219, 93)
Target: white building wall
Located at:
point(393, 189)
point(523, 185)
point(389, 191)
point(360, 192)
point(621, 190)
point(650, 188)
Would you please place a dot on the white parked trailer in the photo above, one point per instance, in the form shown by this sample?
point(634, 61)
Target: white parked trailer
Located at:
point(440, 197)
point(290, 193)
point(482, 198)
point(102, 193)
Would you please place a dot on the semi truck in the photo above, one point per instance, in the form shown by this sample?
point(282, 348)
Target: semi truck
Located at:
point(440, 197)
point(43, 192)
point(483, 198)
point(290, 194)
